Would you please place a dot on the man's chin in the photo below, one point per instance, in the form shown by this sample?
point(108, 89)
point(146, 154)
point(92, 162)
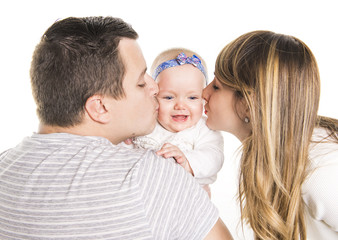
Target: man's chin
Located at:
point(151, 128)
point(147, 130)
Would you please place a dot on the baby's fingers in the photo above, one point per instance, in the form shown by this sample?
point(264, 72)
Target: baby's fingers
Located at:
point(128, 141)
point(166, 153)
point(165, 149)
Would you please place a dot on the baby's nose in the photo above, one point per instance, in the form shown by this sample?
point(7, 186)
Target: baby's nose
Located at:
point(179, 104)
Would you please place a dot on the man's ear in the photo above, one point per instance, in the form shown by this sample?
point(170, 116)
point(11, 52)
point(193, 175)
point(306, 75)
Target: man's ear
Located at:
point(96, 109)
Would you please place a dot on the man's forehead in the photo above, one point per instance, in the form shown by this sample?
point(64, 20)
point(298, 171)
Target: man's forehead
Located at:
point(131, 53)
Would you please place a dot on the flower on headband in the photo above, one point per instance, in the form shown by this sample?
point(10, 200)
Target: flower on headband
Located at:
point(181, 59)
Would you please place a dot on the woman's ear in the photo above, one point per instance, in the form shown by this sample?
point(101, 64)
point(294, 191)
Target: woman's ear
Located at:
point(96, 109)
point(243, 110)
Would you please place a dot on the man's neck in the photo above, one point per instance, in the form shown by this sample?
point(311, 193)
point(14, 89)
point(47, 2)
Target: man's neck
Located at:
point(81, 130)
point(47, 129)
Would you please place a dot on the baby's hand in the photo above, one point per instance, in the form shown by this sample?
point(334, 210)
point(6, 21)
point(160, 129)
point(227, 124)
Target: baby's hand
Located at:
point(128, 141)
point(168, 150)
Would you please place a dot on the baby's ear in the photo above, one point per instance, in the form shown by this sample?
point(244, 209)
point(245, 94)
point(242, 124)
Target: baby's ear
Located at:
point(96, 109)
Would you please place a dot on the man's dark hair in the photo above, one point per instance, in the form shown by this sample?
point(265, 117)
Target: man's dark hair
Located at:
point(77, 58)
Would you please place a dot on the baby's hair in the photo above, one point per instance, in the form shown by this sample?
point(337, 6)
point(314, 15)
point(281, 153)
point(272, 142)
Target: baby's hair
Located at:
point(172, 53)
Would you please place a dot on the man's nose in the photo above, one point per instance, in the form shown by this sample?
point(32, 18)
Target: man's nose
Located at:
point(153, 87)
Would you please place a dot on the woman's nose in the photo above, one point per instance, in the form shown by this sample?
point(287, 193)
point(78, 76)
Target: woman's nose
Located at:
point(205, 93)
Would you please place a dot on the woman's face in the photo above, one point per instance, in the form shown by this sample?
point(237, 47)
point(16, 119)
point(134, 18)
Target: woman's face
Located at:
point(223, 111)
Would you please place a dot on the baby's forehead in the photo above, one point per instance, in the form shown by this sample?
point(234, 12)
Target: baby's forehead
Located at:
point(176, 58)
point(180, 73)
point(192, 87)
point(180, 92)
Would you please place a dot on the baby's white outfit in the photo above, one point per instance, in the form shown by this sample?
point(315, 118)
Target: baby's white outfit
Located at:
point(202, 147)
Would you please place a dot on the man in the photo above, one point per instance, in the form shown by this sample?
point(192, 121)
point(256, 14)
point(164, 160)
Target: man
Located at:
point(71, 180)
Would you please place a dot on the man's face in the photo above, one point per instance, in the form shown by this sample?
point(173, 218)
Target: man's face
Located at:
point(135, 114)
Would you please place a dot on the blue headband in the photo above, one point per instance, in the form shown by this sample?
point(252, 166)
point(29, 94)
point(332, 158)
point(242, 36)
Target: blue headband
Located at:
point(181, 59)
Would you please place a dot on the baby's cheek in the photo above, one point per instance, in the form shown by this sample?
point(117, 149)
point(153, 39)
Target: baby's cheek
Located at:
point(198, 108)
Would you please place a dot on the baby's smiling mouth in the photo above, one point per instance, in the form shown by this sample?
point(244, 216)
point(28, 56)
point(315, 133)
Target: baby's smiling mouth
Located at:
point(179, 118)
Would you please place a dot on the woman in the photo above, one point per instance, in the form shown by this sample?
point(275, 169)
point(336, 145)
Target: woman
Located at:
point(266, 92)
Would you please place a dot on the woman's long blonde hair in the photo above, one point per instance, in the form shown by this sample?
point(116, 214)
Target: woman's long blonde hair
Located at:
point(278, 78)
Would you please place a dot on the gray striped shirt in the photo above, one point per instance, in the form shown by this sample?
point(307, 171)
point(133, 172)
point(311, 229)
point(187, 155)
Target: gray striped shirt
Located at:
point(63, 186)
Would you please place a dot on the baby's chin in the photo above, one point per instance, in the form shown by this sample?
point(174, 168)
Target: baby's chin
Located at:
point(177, 127)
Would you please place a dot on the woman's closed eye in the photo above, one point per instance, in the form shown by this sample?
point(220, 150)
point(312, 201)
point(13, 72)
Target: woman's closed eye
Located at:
point(215, 87)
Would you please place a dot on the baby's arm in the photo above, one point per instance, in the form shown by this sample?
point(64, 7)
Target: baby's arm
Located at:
point(168, 150)
point(207, 157)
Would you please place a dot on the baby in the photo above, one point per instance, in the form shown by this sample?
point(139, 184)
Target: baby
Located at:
point(181, 132)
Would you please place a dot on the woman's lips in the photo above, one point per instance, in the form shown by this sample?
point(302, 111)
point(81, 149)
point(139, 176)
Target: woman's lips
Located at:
point(205, 110)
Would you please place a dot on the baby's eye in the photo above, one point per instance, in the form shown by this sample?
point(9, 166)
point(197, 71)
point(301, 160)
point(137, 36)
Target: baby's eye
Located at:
point(193, 98)
point(142, 85)
point(168, 97)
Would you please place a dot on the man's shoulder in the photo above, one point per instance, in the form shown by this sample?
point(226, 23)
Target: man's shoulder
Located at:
point(97, 153)
point(75, 149)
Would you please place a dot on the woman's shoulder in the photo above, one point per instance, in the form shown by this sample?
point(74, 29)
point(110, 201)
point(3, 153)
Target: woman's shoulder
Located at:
point(323, 149)
point(319, 189)
point(323, 161)
point(321, 134)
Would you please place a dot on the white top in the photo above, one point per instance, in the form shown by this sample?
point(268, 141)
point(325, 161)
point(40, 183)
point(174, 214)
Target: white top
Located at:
point(320, 190)
point(202, 147)
point(63, 186)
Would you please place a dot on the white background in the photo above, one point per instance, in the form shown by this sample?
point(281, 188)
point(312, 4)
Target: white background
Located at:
point(201, 25)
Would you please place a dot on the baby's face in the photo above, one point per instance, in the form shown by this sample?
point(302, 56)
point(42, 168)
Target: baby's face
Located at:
point(180, 97)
